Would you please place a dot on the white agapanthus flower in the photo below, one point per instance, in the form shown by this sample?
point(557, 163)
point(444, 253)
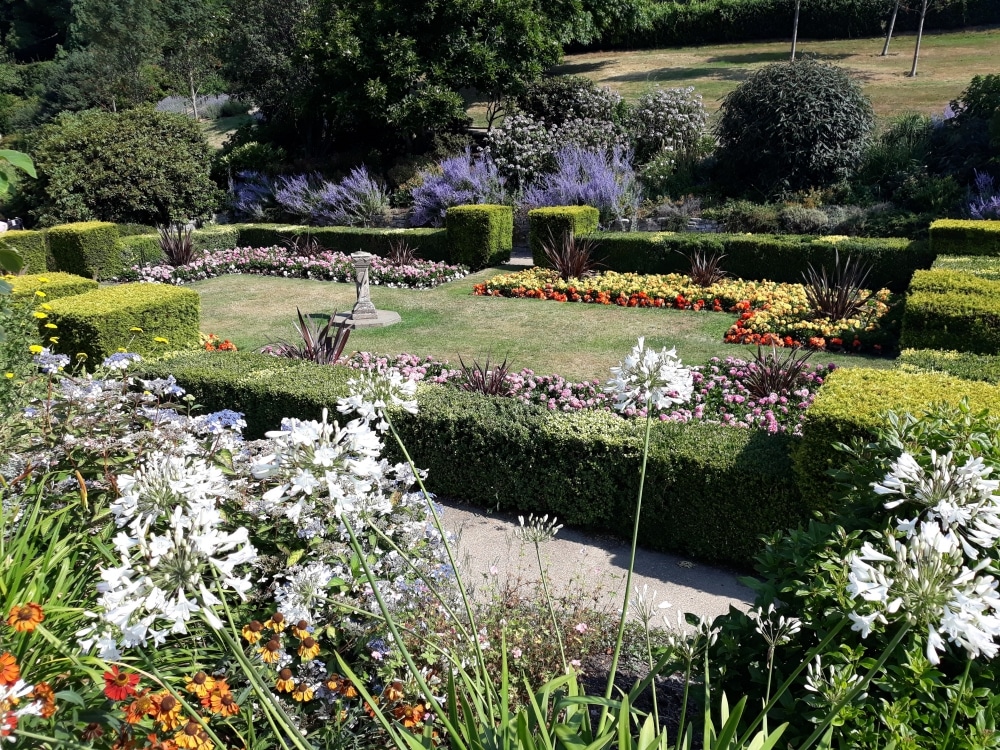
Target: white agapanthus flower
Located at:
point(774, 631)
point(924, 579)
point(174, 550)
point(645, 375)
point(958, 496)
point(372, 393)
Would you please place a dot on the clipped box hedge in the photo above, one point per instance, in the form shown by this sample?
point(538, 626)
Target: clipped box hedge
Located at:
point(785, 258)
point(55, 285)
point(100, 322)
point(983, 266)
point(32, 246)
point(952, 310)
point(265, 388)
point(964, 365)
point(86, 248)
point(721, 488)
point(140, 249)
point(852, 404)
point(216, 237)
point(965, 237)
point(480, 235)
point(552, 224)
point(429, 244)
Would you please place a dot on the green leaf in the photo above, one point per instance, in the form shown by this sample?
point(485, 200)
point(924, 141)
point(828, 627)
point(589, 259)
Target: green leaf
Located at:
point(295, 557)
point(10, 260)
point(19, 160)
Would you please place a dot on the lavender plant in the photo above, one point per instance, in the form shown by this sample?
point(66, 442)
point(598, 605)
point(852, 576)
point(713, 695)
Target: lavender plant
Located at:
point(462, 180)
point(603, 179)
point(251, 196)
point(357, 200)
point(984, 200)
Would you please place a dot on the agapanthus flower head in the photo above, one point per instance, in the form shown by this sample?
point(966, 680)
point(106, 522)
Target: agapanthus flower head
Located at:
point(646, 377)
point(643, 603)
point(537, 530)
point(831, 685)
point(924, 579)
point(774, 631)
point(372, 393)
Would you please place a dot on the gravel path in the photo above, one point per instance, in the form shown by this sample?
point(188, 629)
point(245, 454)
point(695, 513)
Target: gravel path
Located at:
point(489, 549)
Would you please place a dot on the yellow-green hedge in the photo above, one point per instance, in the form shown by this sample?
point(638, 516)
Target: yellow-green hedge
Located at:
point(852, 403)
point(32, 246)
point(552, 224)
point(129, 317)
point(480, 235)
point(965, 237)
point(53, 285)
point(86, 248)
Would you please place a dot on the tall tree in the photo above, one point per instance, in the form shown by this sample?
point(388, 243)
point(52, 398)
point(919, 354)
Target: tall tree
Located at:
point(795, 27)
point(34, 29)
point(892, 26)
point(191, 41)
point(120, 39)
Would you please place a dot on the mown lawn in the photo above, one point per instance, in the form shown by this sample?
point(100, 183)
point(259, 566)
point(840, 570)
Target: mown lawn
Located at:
point(577, 341)
point(947, 63)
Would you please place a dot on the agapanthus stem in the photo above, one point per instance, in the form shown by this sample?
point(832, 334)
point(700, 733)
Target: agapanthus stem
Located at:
point(631, 565)
point(857, 688)
point(548, 601)
point(954, 709)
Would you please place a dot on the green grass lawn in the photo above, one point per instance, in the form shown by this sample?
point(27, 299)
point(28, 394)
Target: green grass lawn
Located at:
point(577, 341)
point(947, 63)
point(217, 131)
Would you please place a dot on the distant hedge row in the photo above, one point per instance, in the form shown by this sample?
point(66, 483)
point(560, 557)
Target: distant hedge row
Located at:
point(672, 24)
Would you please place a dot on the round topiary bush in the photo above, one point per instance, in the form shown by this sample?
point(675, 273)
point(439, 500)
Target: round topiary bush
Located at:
point(137, 166)
point(793, 125)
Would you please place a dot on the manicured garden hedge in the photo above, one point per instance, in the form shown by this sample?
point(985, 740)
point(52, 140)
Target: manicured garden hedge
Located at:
point(711, 491)
point(851, 404)
point(102, 322)
point(952, 310)
point(754, 257)
point(965, 237)
point(53, 285)
point(32, 246)
point(481, 235)
point(265, 388)
point(145, 248)
point(429, 244)
point(86, 248)
point(983, 266)
point(963, 365)
point(551, 224)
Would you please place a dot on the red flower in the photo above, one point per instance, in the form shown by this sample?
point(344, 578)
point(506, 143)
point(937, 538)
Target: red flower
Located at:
point(118, 685)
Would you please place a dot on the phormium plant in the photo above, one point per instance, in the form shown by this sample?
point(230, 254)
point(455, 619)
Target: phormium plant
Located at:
point(321, 343)
point(177, 244)
point(773, 373)
point(841, 294)
point(570, 257)
point(706, 269)
point(485, 379)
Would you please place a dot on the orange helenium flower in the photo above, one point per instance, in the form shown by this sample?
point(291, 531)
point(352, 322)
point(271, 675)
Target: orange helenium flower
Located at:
point(301, 629)
point(308, 649)
point(252, 632)
point(302, 692)
point(167, 711)
point(193, 737)
point(200, 684)
point(276, 622)
point(139, 708)
point(224, 704)
point(119, 685)
point(25, 619)
point(44, 694)
point(10, 672)
point(270, 652)
point(285, 683)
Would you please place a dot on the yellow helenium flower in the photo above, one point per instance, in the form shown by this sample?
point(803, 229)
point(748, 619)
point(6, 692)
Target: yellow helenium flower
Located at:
point(51, 325)
point(160, 340)
point(35, 349)
point(39, 293)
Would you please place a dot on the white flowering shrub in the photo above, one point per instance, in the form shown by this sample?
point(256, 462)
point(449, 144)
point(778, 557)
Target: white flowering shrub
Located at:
point(559, 99)
point(898, 585)
point(669, 120)
point(522, 149)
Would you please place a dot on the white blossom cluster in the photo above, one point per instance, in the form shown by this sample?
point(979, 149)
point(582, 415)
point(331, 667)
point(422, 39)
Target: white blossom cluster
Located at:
point(667, 120)
point(174, 550)
point(646, 375)
point(934, 570)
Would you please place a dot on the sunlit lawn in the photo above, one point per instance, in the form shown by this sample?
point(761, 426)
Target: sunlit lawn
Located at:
point(577, 341)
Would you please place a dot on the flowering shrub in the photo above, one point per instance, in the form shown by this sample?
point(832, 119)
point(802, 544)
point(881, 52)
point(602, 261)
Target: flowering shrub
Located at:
point(909, 557)
point(522, 149)
point(770, 313)
point(280, 261)
point(601, 178)
point(669, 120)
point(462, 180)
point(558, 99)
point(719, 391)
point(251, 196)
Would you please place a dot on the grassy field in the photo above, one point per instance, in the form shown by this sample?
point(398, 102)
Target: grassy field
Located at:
point(574, 340)
point(216, 131)
point(947, 63)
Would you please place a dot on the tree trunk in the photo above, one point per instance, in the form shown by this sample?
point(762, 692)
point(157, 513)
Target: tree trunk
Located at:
point(920, 34)
point(795, 28)
point(194, 94)
point(892, 25)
